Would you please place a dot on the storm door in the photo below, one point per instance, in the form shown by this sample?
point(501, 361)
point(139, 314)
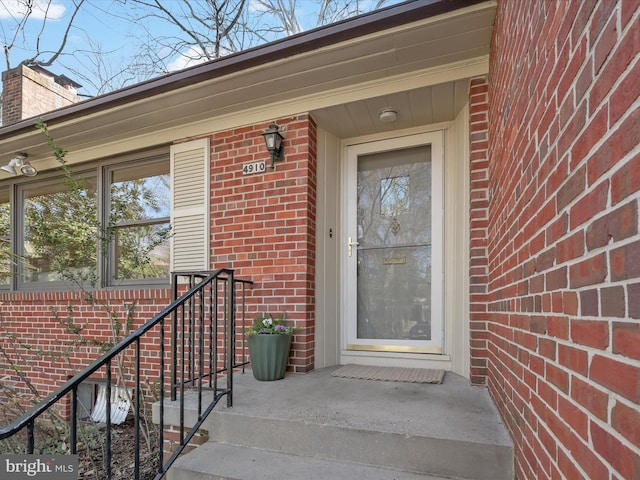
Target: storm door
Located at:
point(393, 251)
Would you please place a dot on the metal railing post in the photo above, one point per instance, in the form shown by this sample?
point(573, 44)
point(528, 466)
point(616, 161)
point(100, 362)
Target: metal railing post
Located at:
point(174, 340)
point(73, 426)
point(231, 337)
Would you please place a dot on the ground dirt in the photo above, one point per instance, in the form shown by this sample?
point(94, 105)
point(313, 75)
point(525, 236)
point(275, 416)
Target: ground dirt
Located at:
point(91, 466)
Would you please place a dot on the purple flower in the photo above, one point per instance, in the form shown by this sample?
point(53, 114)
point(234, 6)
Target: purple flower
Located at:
point(267, 325)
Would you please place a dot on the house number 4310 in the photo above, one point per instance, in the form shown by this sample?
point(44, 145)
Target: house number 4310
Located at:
point(254, 167)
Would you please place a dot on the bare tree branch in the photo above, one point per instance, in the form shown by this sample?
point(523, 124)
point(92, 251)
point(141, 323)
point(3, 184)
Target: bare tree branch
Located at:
point(166, 34)
point(63, 43)
point(8, 46)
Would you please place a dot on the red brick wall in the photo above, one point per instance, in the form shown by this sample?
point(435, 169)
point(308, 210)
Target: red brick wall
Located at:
point(27, 93)
point(479, 195)
point(42, 347)
point(564, 248)
point(263, 225)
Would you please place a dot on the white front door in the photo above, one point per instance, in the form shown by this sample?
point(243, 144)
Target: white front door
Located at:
point(393, 252)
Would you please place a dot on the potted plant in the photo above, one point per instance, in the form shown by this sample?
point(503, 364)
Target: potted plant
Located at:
point(269, 344)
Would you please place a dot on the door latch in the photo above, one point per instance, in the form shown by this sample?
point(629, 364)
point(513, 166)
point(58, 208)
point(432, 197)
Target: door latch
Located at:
point(350, 246)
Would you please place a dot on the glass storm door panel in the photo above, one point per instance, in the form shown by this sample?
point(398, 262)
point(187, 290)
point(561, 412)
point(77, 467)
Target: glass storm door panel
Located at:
point(394, 255)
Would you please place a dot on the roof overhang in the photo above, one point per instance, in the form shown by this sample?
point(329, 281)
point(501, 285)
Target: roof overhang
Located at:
point(414, 45)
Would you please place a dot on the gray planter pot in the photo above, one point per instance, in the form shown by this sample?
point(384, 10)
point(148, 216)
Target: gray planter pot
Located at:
point(269, 355)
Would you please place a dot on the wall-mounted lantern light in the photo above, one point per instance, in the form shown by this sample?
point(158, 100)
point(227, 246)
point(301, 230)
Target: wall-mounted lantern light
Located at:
point(273, 139)
point(19, 163)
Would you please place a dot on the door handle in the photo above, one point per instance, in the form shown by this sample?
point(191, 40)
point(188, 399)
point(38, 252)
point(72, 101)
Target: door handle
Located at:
point(350, 246)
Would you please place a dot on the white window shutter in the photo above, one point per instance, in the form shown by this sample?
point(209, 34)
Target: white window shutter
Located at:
point(190, 206)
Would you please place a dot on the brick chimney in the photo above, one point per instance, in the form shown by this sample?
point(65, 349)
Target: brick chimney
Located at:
point(31, 91)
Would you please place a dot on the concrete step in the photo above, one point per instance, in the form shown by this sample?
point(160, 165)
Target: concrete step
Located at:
point(418, 452)
point(450, 430)
point(245, 463)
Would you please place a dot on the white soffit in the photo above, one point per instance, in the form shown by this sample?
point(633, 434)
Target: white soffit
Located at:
point(325, 81)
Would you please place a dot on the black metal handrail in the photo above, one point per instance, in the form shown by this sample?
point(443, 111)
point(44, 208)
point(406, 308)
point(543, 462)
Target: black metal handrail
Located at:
point(203, 348)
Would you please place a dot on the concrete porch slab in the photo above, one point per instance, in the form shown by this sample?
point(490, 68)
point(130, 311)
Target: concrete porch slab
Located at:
point(451, 430)
point(452, 410)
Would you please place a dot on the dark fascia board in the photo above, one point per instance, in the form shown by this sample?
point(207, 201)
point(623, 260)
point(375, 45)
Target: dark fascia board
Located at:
point(304, 42)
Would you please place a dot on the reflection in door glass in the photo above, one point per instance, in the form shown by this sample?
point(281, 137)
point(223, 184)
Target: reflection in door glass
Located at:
point(394, 196)
point(394, 253)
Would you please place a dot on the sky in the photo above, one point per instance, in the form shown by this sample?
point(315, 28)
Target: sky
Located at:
point(94, 20)
point(103, 25)
point(95, 24)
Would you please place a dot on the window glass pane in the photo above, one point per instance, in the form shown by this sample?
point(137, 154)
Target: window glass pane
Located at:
point(394, 251)
point(142, 252)
point(60, 232)
point(5, 238)
point(140, 192)
point(140, 211)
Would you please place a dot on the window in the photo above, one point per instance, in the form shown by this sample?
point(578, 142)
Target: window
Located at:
point(5, 238)
point(60, 231)
point(139, 210)
point(111, 228)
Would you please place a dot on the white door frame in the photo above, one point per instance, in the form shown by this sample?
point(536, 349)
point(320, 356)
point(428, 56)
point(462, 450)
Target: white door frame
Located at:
point(350, 353)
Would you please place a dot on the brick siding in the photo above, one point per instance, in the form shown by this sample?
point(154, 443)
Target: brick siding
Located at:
point(563, 245)
point(27, 93)
point(38, 341)
point(478, 265)
point(263, 225)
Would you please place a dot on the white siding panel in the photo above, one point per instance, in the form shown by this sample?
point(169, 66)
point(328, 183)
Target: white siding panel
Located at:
point(190, 206)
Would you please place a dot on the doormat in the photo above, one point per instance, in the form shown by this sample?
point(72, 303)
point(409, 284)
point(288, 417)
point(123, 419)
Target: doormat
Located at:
point(390, 374)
